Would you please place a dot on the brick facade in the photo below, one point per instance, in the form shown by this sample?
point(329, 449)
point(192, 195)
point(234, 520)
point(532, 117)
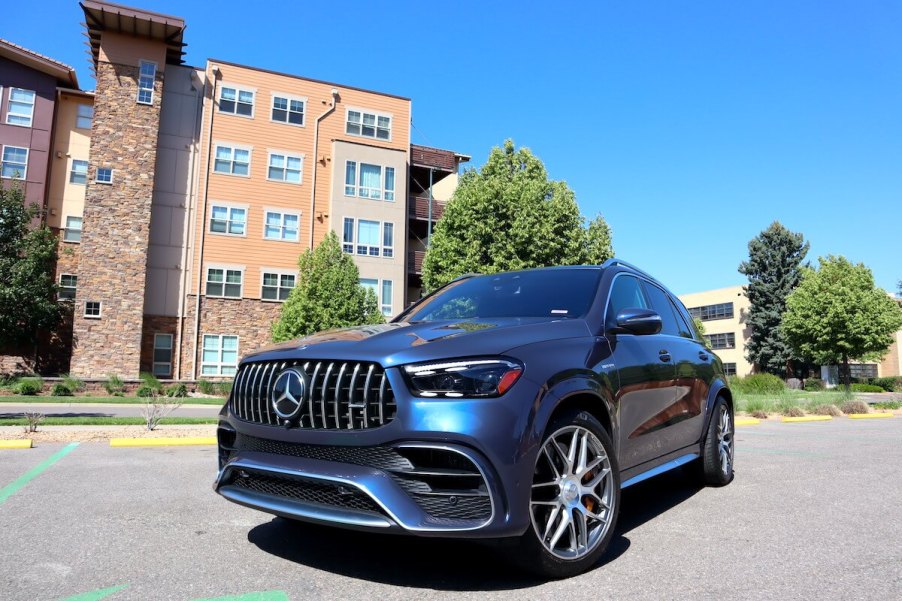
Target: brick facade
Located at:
point(116, 225)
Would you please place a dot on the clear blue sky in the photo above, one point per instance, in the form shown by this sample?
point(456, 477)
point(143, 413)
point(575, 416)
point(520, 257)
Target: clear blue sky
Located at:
point(689, 125)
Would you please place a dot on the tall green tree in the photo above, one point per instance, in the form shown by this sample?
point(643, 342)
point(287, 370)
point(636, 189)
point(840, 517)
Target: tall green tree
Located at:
point(837, 314)
point(774, 270)
point(328, 295)
point(509, 215)
point(27, 257)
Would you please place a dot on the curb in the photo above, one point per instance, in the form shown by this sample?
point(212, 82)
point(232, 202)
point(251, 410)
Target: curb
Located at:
point(163, 442)
point(15, 444)
point(808, 418)
point(747, 421)
point(869, 415)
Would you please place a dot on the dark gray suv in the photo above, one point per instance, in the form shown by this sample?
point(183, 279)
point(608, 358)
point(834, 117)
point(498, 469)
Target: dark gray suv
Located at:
point(518, 404)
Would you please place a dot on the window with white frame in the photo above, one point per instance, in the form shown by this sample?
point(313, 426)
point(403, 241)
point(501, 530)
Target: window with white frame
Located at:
point(146, 77)
point(162, 355)
point(232, 161)
point(383, 292)
point(368, 124)
point(20, 108)
point(286, 109)
point(369, 181)
point(281, 226)
point(15, 162)
point(368, 238)
point(72, 232)
point(79, 173)
point(104, 175)
point(277, 285)
point(68, 284)
point(225, 219)
point(236, 101)
point(84, 116)
point(220, 355)
point(223, 282)
point(285, 167)
point(92, 309)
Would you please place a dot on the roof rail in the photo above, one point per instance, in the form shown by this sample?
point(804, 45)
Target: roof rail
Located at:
point(619, 263)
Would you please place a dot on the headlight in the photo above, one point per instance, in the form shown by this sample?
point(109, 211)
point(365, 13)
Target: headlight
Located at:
point(463, 378)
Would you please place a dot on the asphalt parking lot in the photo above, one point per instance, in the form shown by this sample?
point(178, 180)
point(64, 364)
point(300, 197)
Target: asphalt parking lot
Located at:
point(812, 514)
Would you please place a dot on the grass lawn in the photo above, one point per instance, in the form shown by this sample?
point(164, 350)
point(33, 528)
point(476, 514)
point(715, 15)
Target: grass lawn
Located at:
point(110, 421)
point(112, 400)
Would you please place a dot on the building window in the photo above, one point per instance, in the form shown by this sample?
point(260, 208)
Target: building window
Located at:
point(15, 162)
point(382, 293)
point(232, 161)
point(388, 231)
point(709, 312)
point(368, 237)
point(92, 309)
point(288, 110)
point(220, 355)
point(162, 355)
point(73, 229)
point(277, 286)
point(146, 77)
point(386, 297)
point(721, 341)
point(281, 226)
point(729, 369)
point(223, 282)
point(228, 220)
point(84, 116)
point(862, 370)
point(236, 101)
point(104, 175)
point(20, 108)
point(285, 168)
point(368, 125)
point(369, 181)
point(79, 173)
point(348, 236)
point(68, 284)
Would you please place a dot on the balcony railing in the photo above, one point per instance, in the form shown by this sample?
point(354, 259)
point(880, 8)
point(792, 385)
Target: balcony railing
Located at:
point(415, 261)
point(418, 208)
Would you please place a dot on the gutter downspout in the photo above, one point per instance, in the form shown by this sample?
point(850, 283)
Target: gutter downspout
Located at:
point(203, 229)
point(316, 161)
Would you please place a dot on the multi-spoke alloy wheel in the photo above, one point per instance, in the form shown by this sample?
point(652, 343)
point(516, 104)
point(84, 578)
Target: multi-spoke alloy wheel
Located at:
point(572, 500)
point(725, 441)
point(717, 460)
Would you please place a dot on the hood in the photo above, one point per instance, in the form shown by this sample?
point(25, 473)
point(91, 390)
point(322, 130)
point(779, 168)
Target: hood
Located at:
point(408, 342)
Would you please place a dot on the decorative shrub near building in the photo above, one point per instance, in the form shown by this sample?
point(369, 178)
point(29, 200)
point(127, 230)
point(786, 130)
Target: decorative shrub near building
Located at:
point(854, 407)
point(866, 388)
point(29, 386)
point(60, 389)
point(758, 384)
point(814, 385)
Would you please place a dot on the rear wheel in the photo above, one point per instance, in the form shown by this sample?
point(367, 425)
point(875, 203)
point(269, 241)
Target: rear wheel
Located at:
point(717, 459)
point(575, 498)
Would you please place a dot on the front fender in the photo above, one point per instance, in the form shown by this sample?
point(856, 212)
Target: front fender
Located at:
point(718, 388)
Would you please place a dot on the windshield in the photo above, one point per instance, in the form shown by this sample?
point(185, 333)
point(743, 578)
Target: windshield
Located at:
point(560, 293)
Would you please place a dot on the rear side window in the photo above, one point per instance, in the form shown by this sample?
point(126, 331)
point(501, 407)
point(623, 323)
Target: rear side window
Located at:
point(670, 325)
point(626, 293)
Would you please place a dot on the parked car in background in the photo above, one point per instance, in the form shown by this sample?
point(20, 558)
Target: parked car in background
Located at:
point(517, 404)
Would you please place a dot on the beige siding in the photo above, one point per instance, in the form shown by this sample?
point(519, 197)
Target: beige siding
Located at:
point(737, 325)
point(70, 144)
point(130, 50)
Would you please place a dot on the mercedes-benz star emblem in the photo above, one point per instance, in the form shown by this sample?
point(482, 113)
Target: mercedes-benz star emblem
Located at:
point(289, 392)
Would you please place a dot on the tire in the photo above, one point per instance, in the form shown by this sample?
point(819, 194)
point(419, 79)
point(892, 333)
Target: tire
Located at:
point(581, 480)
point(718, 452)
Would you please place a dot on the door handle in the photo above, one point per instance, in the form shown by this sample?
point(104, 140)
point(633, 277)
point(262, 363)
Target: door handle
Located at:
point(664, 355)
point(703, 355)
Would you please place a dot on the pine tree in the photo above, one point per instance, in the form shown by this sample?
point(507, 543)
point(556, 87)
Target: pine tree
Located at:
point(774, 271)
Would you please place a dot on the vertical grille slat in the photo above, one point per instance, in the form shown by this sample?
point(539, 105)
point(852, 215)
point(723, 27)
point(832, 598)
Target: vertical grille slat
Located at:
point(342, 395)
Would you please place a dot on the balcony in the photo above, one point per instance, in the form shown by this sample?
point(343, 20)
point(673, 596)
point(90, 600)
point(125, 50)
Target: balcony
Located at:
point(418, 208)
point(415, 261)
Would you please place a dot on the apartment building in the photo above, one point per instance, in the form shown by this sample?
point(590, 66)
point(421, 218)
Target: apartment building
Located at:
point(724, 313)
point(184, 196)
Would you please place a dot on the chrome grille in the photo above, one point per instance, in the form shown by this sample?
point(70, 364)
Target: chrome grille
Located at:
point(343, 395)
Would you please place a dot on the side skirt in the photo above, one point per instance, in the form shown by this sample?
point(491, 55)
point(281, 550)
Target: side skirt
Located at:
point(664, 464)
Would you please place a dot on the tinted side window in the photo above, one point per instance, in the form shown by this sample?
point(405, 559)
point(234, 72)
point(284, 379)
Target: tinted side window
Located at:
point(626, 293)
point(691, 330)
point(662, 304)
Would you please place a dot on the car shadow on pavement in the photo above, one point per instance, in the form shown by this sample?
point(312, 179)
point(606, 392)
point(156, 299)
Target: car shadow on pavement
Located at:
point(447, 564)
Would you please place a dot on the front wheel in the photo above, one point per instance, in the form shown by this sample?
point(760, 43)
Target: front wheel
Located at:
point(575, 498)
point(717, 458)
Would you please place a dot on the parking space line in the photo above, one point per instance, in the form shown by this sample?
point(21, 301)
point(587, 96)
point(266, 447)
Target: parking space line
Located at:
point(261, 596)
point(97, 595)
point(10, 489)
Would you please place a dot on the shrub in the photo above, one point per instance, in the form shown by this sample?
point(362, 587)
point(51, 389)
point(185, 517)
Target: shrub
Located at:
point(149, 380)
point(73, 384)
point(756, 404)
point(827, 409)
point(758, 384)
point(814, 385)
point(114, 385)
point(29, 386)
point(224, 388)
point(854, 407)
point(144, 391)
point(888, 405)
point(793, 412)
point(177, 391)
point(156, 408)
point(33, 419)
point(759, 414)
point(866, 388)
point(889, 384)
point(60, 389)
point(206, 387)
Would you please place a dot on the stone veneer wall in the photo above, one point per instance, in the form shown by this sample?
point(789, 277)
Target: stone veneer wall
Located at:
point(159, 324)
point(116, 225)
point(247, 318)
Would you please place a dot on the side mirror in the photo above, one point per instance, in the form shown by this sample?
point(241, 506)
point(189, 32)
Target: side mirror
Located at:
point(639, 321)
